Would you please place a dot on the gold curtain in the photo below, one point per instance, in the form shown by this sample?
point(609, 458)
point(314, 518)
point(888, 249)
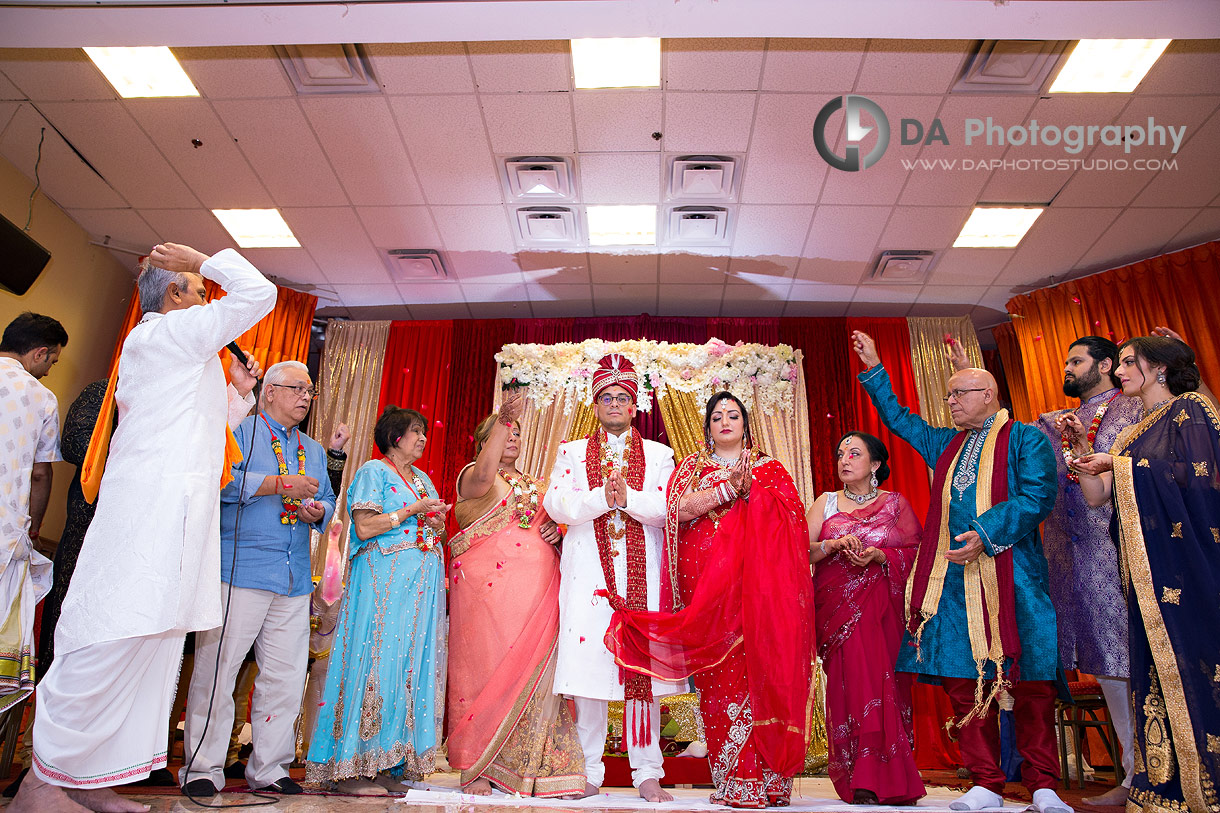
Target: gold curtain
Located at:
point(542, 430)
point(931, 362)
point(683, 422)
point(584, 421)
point(349, 386)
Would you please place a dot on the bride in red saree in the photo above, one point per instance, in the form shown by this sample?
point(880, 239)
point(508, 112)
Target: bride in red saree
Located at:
point(506, 727)
point(742, 620)
point(863, 542)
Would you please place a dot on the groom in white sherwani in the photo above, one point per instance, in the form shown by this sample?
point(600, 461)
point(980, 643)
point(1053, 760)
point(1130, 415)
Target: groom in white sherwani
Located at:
point(609, 489)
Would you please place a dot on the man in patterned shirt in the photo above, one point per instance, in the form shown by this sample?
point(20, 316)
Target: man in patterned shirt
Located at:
point(29, 414)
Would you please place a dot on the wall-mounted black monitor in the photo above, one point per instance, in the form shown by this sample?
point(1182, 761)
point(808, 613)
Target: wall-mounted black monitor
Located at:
point(21, 258)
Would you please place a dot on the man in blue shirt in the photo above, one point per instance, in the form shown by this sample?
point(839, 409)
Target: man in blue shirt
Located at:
point(279, 492)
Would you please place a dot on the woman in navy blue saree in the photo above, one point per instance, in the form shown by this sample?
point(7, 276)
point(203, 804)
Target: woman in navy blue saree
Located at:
point(1164, 477)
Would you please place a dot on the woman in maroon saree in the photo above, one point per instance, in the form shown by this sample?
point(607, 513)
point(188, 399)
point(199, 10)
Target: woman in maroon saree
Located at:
point(735, 542)
point(863, 541)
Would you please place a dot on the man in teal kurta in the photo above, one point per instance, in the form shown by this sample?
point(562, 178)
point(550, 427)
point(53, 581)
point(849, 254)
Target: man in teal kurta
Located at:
point(982, 541)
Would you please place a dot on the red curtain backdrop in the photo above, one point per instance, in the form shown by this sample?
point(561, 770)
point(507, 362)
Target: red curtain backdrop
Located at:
point(416, 375)
point(830, 386)
point(471, 371)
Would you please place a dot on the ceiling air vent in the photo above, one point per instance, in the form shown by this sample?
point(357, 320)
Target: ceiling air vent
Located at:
point(320, 69)
point(539, 178)
point(414, 264)
point(902, 267)
point(703, 177)
point(547, 226)
point(1019, 67)
point(698, 226)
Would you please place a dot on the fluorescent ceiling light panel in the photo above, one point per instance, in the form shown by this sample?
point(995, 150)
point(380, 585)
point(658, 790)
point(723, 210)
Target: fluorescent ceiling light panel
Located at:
point(1108, 66)
point(141, 73)
point(617, 63)
point(622, 225)
point(996, 227)
point(257, 228)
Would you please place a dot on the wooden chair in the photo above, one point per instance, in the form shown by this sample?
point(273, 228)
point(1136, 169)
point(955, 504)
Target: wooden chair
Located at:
point(1082, 714)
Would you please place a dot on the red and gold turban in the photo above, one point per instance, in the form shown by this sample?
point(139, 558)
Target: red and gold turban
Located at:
point(612, 370)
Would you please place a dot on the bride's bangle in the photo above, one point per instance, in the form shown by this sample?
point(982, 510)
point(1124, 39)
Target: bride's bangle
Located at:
point(823, 547)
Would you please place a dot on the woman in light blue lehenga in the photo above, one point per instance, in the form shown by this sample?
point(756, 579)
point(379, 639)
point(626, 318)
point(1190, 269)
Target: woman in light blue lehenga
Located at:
point(381, 713)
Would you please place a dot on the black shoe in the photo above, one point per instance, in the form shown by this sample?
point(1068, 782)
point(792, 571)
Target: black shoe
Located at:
point(236, 771)
point(284, 785)
point(199, 789)
point(160, 778)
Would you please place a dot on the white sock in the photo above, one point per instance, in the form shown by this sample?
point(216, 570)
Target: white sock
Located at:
point(1047, 801)
point(978, 798)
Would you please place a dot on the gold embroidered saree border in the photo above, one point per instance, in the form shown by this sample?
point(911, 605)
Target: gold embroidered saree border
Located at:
point(1134, 551)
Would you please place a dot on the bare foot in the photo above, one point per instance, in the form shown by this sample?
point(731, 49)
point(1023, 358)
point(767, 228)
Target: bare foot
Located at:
point(37, 796)
point(590, 790)
point(360, 786)
point(104, 800)
point(651, 791)
point(1114, 797)
point(390, 783)
point(479, 787)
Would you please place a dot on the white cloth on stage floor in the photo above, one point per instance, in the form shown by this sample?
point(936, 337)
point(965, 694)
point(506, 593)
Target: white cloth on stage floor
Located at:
point(102, 711)
point(278, 628)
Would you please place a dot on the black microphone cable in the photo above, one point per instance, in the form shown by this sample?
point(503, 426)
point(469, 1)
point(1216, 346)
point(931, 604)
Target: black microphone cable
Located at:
point(224, 621)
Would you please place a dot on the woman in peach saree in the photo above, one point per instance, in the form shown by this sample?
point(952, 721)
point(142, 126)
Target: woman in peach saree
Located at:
point(506, 728)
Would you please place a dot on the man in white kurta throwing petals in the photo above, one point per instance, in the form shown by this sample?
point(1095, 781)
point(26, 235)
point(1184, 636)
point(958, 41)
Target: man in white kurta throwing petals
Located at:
point(149, 568)
point(609, 489)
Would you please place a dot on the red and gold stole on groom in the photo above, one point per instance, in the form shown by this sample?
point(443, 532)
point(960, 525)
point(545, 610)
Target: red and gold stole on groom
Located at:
point(598, 466)
point(990, 597)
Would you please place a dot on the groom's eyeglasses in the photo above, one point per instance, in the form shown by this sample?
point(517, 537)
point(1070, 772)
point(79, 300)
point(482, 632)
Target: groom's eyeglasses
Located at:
point(611, 400)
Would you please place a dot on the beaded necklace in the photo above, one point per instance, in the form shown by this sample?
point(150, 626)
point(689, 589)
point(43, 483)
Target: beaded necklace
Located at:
point(289, 515)
point(425, 534)
point(1091, 436)
point(525, 490)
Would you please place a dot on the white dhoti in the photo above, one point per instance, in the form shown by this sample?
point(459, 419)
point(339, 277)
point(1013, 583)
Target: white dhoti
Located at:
point(22, 585)
point(102, 710)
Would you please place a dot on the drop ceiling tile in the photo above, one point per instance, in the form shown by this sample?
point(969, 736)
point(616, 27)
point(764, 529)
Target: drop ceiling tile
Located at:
point(878, 309)
point(359, 296)
point(821, 292)
point(762, 290)
point(706, 123)
point(444, 292)
point(993, 306)
point(771, 268)
point(823, 65)
point(1136, 235)
point(399, 226)
point(942, 175)
point(277, 140)
point(421, 67)
point(454, 310)
point(333, 312)
point(952, 294)
point(1187, 67)
point(1119, 187)
point(389, 179)
point(448, 145)
point(690, 267)
point(193, 227)
point(1056, 241)
point(114, 144)
point(832, 272)
point(489, 267)
point(609, 178)
point(379, 313)
point(505, 291)
point(926, 228)
point(887, 293)
point(565, 303)
point(969, 266)
point(544, 269)
point(884, 181)
point(627, 300)
point(520, 309)
point(55, 75)
point(290, 266)
point(521, 66)
point(690, 300)
point(66, 179)
point(123, 226)
point(1205, 226)
point(847, 233)
point(236, 72)
point(474, 228)
point(617, 120)
point(547, 291)
point(334, 239)
point(8, 90)
point(529, 123)
point(911, 66)
point(782, 165)
point(1197, 177)
point(817, 307)
point(771, 230)
point(216, 172)
point(7, 111)
point(614, 269)
point(741, 301)
point(713, 64)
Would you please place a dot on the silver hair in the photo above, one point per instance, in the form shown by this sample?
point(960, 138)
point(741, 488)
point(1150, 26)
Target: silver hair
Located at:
point(154, 282)
point(275, 373)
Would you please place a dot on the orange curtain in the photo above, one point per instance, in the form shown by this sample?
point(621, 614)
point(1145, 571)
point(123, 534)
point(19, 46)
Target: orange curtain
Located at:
point(1014, 369)
point(282, 335)
point(1172, 290)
